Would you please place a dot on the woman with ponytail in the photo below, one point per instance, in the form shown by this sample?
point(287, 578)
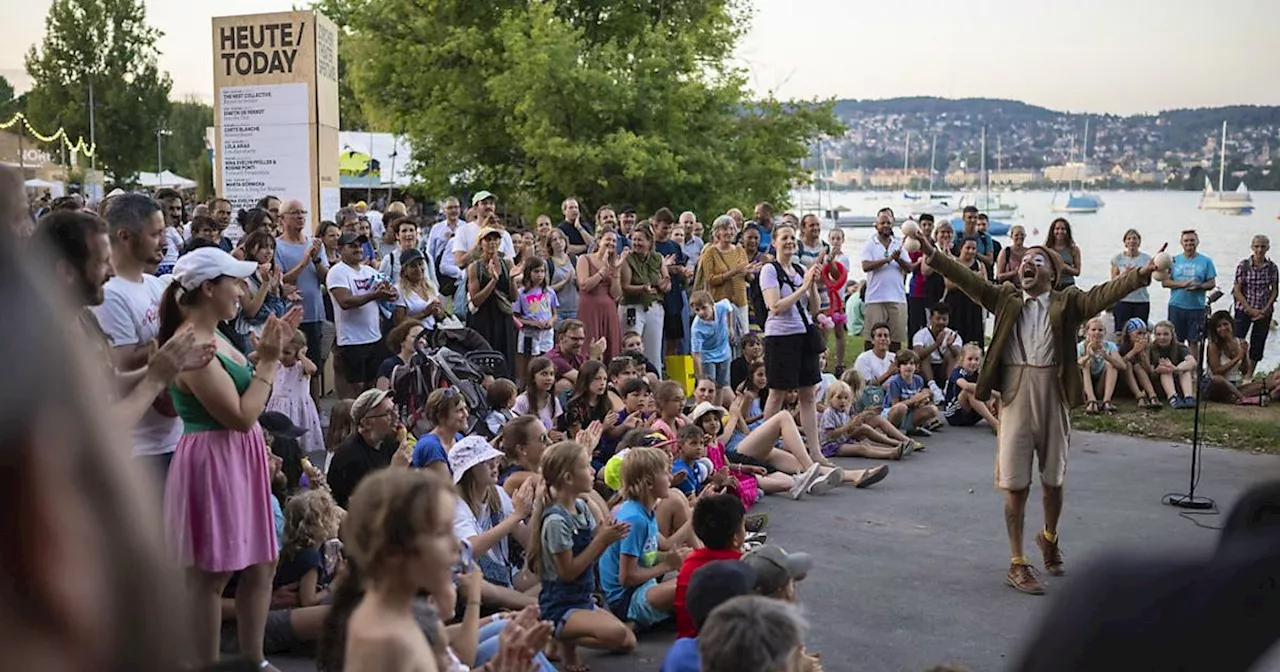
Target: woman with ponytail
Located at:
point(217, 504)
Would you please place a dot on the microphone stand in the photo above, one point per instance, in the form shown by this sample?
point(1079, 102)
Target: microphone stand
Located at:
point(1189, 500)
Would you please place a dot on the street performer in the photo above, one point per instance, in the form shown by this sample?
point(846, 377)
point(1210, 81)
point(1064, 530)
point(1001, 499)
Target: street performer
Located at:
point(1032, 359)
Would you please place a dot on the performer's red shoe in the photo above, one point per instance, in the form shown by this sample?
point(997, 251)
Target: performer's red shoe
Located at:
point(1052, 555)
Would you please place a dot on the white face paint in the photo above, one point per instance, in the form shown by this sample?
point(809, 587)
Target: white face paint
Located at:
point(1039, 259)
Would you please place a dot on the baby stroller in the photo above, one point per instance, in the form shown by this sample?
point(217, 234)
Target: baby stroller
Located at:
point(446, 359)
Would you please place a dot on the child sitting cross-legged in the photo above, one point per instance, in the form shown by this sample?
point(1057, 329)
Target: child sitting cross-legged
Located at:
point(960, 406)
point(718, 523)
point(631, 569)
point(841, 429)
point(566, 541)
point(908, 404)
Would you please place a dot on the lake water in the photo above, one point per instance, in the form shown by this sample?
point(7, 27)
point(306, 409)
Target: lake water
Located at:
point(1159, 216)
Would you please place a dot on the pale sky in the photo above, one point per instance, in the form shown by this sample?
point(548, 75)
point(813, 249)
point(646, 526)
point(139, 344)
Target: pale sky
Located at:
point(1117, 56)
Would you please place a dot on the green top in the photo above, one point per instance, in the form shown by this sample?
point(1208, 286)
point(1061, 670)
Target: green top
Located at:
point(194, 416)
point(645, 270)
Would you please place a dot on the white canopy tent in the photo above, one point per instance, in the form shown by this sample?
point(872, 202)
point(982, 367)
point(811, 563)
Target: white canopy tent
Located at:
point(165, 179)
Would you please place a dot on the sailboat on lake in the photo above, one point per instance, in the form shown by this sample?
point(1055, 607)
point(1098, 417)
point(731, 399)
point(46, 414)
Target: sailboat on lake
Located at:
point(1238, 202)
point(1079, 202)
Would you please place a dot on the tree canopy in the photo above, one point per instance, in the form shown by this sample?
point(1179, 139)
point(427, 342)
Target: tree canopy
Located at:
point(108, 45)
point(608, 100)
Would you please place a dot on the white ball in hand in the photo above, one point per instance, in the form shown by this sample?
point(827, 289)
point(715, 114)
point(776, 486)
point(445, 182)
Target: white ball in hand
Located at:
point(1163, 261)
point(911, 245)
point(910, 228)
point(1160, 276)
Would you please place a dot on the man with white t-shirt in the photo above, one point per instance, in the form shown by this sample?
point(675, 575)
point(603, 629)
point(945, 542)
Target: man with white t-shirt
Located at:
point(886, 268)
point(938, 347)
point(130, 315)
point(439, 244)
point(356, 289)
point(876, 365)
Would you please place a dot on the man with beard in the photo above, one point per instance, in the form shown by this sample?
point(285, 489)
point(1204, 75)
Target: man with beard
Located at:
point(440, 245)
point(130, 314)
point(220, 211)
point(580, 233)
point(764, 221)
point(1031, 361)
point(886, 266)
point(82, 264)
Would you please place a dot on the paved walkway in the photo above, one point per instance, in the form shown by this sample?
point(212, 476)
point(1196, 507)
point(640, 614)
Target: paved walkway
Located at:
point(910, 573)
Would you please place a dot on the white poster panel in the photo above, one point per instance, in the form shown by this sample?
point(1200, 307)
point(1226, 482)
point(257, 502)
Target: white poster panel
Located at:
point(330, 202)
point(265, 143)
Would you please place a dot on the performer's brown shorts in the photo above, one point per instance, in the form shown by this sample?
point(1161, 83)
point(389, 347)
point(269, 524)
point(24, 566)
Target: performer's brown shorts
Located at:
point(892, 314)
point(1034, 425)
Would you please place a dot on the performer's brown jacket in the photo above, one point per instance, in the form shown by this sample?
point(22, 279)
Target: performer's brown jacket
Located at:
point(1068, 308)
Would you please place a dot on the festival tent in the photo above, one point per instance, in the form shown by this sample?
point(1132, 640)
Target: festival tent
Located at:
point(40, 184)
point(165, 179)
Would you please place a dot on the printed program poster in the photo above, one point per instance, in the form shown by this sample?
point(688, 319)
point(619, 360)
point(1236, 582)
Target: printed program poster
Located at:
point(265, 147)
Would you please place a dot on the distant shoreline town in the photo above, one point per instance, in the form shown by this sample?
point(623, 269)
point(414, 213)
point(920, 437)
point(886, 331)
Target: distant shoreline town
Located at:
point(891, 144)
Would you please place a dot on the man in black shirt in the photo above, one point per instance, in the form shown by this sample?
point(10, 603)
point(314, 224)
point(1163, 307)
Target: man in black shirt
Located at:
point(580, 233)
point(369, 448)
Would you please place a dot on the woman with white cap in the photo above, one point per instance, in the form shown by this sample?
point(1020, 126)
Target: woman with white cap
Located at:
point(217, 504)
point(486, 518)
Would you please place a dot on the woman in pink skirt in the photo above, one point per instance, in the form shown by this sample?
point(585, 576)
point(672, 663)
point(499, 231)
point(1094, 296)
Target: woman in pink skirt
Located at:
point(217, 507)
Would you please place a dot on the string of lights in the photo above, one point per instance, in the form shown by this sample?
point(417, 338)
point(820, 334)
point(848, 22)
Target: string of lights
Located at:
point(79, 147)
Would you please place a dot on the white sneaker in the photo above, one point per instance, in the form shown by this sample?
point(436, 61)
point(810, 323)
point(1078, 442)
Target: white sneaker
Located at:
point(827, 481)
point(803, 480)
point(938, 397)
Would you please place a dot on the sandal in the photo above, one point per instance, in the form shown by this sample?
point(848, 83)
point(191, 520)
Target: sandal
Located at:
point(1143, 404)
point(872, 476)
point(1092, 408)
point(1154, 404)
point(919, 447)
point(904, 449)
point(1109, 408)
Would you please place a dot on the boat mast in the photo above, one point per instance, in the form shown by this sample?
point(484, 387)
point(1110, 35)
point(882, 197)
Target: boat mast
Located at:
point(1222, 165)
point(933, 157)
point(983, 183)
point(906, 161)
point(1084, 155)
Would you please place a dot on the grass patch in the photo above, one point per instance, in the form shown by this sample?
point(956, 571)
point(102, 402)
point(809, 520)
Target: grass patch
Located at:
point(1239, 427)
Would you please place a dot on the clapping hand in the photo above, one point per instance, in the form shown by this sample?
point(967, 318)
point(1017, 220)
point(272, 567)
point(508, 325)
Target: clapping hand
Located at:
point(597, 348)
point(589, 438)
point(522, 501)
point(612, 531)
point(181, 353)
point(276, 332)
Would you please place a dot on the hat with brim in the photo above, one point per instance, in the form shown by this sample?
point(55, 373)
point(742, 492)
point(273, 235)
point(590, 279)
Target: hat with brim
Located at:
point(410, 255)
point(469, 452)
point(482, 195)
point(350, 238)
point(774, 567)
point(279, 425)
point(367, 401)
point(704, 408)
point(489, 231)
point(209, 263)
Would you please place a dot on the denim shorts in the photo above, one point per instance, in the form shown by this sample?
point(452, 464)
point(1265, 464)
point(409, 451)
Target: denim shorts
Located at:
point(641, 611)
point(1187, 322)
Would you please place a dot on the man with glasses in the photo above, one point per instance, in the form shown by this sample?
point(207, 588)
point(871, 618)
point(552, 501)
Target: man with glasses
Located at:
point(440, 244)
point(568, 356)
point(303, 261)
point(369, 448)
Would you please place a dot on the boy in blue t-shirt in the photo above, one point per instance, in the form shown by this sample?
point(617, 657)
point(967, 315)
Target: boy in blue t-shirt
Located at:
point(630, 568)
point(691, 460)
point(908, 404)
point(711, 353)
point(959, 405)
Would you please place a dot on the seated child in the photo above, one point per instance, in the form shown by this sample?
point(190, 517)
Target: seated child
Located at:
point(868, 402)
point(631, 568)
point(908, 404)
point(752, 352)
point(960, 406)
point(501, 395)
point(713, 584)
point(840, 428)
point(1100, 365)
point(690, 469)
point(718, 524)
